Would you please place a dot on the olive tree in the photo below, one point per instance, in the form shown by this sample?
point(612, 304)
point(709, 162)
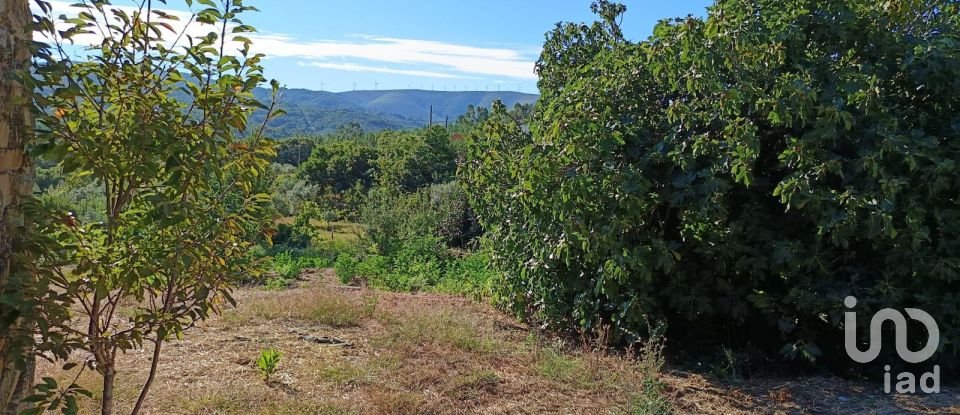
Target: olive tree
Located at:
point(155, 113)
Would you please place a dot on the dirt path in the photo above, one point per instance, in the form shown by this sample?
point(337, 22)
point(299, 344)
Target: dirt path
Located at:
point(349, 351)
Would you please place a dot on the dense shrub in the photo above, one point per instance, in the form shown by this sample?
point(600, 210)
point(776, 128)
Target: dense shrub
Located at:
point(470, 275)
point(421, 265)
point(456, 223)
point(346, 268)
point(290, 237)
point(392, 217)
point(741, 173)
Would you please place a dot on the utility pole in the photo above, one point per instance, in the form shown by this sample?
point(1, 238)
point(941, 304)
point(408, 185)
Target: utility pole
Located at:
point(431, 116)
point(446, 122)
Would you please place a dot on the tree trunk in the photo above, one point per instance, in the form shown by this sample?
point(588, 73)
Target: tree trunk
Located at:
point(106, 401)
point(154, 364)
point(16, 379)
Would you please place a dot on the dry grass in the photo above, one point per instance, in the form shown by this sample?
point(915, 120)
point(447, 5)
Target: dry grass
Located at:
point(312, 305)
point(435, 354)
point(438, 329)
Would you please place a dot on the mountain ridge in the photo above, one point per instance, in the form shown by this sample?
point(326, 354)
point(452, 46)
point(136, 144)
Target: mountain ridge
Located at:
point(312, 112)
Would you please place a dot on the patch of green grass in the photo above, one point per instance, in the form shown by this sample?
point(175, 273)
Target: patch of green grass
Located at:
point(650, 400)
point(556, 366)
point(553, 364)
point(345, 373)
point(335, 231)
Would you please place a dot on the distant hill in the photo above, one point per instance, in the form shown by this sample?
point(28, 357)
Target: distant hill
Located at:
point(318, 112)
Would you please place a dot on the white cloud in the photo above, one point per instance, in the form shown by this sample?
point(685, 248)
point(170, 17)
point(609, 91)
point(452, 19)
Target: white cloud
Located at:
point(459, 59)
point(352, 67)
point(435, 59)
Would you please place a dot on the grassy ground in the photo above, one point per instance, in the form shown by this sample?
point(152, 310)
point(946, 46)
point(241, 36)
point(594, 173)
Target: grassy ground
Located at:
point(436, 354)
point(337, 231)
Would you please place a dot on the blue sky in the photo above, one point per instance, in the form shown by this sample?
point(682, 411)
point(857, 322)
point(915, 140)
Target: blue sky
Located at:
point(428, 44)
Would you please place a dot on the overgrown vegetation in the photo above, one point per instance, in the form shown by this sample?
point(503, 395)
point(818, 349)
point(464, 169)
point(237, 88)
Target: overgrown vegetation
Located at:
point(732, 177)
point(738, 175)
point(414, 228)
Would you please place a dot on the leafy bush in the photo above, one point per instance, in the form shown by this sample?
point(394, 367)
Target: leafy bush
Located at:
point(346, 268)
point(392, 217)
point(422, 264)
point(740, 173)
point(455, 221)
point(82, 196)
point(470, 275)
point(373, 266)
point(290, 237)
point(286, 266)
point(268, 361)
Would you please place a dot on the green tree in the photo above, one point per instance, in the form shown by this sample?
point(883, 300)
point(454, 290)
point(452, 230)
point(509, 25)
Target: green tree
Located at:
point(740, 173)
point(339, 166)
point(288, 190)
point(351, 131)
point(294, 151)
point(155, 122)
point(472, 118)
point(411, 160)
